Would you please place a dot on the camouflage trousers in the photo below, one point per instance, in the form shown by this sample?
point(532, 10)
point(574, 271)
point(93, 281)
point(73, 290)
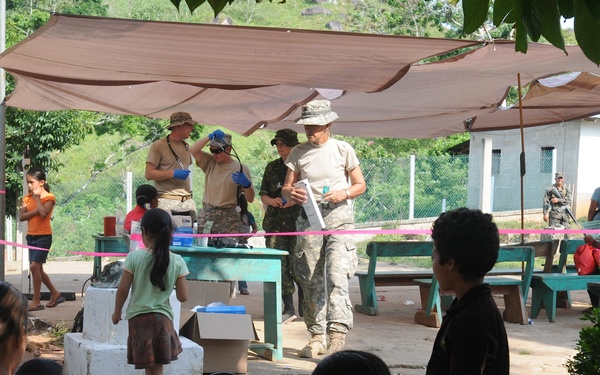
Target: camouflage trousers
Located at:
point(178, 206)
point(324, 264)
point(287, 243)
point(556, 218)
point(225, 220)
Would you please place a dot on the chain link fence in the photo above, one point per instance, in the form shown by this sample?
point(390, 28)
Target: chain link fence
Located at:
point(397, 189)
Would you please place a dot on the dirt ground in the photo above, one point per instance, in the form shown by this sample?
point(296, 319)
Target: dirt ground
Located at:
point(405, 346)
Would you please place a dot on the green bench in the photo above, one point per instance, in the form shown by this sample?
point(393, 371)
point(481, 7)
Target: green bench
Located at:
point(545, 287)
point(371, 278)
point(512, 284)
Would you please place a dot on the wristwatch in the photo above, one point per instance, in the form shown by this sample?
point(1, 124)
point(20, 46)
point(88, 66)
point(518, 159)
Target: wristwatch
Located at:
point(347, 194)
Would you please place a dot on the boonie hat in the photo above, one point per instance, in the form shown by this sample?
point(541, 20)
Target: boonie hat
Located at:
point(225, 141)
point(180, 118)
point(317, 112)
point(288, 136)
point(558, 174)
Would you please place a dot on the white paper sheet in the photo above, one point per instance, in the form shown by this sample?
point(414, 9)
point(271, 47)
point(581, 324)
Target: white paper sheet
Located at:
point(310, 206)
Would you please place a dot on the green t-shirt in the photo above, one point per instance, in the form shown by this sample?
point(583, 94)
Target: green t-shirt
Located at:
point(144, 297)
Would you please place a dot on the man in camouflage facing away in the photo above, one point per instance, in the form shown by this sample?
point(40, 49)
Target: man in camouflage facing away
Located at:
point(280, 216)
point(324, 263)
point(557, 203)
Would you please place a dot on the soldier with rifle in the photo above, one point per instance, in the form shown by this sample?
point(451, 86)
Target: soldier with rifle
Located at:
point(557, 203)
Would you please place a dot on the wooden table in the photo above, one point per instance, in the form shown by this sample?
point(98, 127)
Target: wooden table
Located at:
point(257, 264)
point(107, 244)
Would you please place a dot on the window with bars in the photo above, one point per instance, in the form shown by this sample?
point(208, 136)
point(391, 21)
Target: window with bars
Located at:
point(546, 159)
point(496, 161)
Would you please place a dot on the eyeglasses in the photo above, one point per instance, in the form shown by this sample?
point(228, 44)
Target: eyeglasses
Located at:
point(216, 151)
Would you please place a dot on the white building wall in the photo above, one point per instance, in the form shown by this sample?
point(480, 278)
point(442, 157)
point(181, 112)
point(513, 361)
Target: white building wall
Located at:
point(571, 140)
point(587, 168)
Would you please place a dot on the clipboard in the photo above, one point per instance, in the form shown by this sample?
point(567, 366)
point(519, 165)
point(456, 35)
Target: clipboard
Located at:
point(310, 206)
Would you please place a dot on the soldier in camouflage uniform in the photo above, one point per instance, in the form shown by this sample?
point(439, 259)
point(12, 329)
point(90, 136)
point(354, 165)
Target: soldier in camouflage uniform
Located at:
point(280, 216)
point(555, 207)
point(224, 179)
point(325, 263)
point(168, 164)
point(222, 176)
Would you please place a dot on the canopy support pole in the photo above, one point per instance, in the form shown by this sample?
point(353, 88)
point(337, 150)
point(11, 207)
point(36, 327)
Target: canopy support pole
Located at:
point(522, 156)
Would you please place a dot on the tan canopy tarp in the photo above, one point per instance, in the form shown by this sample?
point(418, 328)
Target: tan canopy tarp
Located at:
point(245, 78)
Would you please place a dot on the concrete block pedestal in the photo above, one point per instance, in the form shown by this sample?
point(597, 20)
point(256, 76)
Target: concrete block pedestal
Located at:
point(102, 346)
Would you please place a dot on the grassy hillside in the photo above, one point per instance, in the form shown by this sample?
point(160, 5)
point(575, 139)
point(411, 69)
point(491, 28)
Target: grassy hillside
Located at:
point(242, 12)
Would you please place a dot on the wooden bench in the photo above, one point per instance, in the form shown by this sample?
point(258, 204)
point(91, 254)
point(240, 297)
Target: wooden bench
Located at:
point(514, 288)
point(545, 287)
point(371, 278)
point(546, 249)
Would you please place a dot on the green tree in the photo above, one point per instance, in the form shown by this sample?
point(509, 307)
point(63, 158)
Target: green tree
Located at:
point(43, 134)
point(84, 7)
point(374, 148)
point(533, 19)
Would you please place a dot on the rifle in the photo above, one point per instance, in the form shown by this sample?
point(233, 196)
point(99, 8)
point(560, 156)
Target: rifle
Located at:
point(558, 195)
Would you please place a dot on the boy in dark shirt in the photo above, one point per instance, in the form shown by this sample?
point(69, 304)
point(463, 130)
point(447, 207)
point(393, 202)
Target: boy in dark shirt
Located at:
point(472, 338)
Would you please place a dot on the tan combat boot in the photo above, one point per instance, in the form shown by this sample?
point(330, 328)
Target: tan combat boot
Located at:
point(315, 346)
point(337, 340)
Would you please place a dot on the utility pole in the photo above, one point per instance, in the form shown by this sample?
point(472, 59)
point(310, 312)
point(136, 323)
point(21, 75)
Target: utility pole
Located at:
point(2, 142)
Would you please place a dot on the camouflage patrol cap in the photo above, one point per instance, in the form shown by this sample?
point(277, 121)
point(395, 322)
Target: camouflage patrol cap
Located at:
point(317, 112)
point(288, 136)
point(559, 175)
point(180, 118)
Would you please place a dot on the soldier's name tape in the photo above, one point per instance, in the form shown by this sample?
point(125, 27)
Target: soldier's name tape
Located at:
point(325, 233)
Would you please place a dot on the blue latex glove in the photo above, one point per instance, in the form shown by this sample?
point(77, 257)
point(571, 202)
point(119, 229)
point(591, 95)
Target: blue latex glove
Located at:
point(217, 134)
point(241, 179)
point(181, 174)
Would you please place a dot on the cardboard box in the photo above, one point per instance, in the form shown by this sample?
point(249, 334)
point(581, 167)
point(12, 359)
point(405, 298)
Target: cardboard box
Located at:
point(182, 221)
point(206, 292)
point(202, 293)
point(224, 338)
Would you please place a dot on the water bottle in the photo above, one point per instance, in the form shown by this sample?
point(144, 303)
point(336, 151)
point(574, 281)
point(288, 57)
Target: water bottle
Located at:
point(325, 203)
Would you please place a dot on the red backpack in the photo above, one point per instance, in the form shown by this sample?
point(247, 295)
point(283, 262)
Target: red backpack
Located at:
point(587, 259)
